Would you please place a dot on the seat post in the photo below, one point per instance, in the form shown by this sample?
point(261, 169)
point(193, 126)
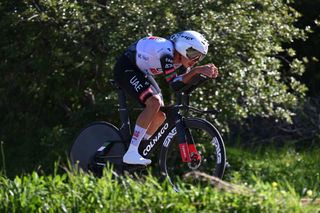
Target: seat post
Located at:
point(124, 115)
point(123, 111)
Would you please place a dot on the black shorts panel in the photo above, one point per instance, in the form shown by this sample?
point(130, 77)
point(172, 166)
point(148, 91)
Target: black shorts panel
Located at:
point(132, 80)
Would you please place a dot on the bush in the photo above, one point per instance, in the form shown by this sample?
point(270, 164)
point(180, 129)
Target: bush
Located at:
point(57, 56)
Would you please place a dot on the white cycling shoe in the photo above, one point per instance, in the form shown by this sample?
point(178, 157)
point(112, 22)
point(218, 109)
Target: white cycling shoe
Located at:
point(133, 157)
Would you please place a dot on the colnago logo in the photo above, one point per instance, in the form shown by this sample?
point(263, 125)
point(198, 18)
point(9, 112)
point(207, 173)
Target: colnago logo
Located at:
point(155, 140)
point(215, 142)
point(169, 137)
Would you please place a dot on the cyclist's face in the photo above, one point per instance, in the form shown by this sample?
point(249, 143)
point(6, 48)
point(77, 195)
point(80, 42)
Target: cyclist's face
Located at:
point(179, 59)
point(189, 62)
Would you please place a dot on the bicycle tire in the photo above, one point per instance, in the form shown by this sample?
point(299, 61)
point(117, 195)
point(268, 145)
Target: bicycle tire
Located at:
point(173, 168)
point(92, 138)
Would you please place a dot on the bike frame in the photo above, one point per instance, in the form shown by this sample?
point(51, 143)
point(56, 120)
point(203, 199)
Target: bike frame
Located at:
point(174, 124)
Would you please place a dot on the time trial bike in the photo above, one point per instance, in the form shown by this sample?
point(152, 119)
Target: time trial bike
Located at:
point(183, 143)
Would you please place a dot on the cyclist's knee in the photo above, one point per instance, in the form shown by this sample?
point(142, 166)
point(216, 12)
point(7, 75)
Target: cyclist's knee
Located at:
point(161, 116)
point(154, 102)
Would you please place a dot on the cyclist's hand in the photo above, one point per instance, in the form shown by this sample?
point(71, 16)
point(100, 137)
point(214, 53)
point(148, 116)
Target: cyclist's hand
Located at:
point(209, 70)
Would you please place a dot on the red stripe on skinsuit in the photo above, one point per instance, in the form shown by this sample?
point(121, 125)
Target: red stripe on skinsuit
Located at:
point(141, 97)
point(169, 71)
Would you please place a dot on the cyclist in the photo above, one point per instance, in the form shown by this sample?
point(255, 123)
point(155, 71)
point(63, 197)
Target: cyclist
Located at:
point(149, 56)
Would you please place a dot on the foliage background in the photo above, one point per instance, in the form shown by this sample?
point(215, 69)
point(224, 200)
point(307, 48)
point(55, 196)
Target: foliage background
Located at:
point(57, 57)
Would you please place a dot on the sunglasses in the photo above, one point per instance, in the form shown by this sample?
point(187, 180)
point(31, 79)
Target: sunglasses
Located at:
point(194, 55)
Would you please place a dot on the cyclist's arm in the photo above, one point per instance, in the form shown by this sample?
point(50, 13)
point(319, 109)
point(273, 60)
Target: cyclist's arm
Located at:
point(186, 77)
point(179, 81)
point(170, 73)
point(208, 70)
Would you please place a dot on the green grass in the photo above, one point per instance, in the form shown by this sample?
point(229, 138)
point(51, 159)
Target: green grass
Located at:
point(276, 180)
point(284, 166)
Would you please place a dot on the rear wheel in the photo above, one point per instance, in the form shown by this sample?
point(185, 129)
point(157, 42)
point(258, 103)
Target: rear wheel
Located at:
point(90, 139)
point(209, 145)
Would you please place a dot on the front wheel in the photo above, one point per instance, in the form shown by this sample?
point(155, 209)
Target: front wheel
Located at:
point(209, 145)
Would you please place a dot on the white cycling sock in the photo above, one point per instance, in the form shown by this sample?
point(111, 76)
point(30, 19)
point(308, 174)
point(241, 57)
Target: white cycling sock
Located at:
point(137, 136)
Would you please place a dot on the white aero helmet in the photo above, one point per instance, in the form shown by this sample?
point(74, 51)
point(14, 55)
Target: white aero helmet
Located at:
point(190, 44)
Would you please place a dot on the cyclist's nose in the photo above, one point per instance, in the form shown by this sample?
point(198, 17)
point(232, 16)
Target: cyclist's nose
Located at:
point(191, 63)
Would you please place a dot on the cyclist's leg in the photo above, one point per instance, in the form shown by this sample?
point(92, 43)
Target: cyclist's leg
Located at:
point(146, 117)
point(150, 112)
point(159, 118)
point(138, 85)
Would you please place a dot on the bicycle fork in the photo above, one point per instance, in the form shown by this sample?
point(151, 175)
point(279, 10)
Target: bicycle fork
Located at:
point(188, 150)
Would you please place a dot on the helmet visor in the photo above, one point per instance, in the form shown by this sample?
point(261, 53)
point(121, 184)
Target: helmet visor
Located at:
point(194, 55)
